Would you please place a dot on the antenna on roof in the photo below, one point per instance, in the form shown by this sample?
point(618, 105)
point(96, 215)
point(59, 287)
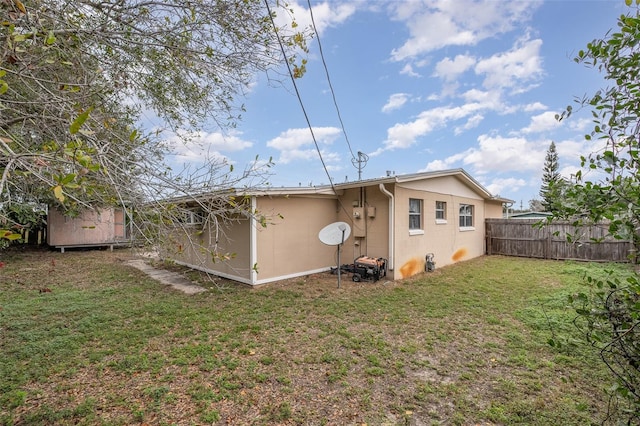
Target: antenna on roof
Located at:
point(361, 162)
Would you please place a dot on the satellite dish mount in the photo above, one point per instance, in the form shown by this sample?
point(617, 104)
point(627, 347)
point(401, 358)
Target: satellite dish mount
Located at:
point(335, 234)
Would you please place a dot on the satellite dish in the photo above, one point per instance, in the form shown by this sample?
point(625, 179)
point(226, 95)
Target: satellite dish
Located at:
point(335, 233)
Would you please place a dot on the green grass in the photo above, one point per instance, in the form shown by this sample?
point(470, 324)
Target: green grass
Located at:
point(466, 344)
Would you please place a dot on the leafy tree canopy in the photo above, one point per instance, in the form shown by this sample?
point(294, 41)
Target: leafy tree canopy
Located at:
point(76, 75)
point(609, 314)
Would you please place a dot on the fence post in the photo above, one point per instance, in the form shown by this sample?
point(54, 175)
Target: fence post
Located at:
point(547, 248)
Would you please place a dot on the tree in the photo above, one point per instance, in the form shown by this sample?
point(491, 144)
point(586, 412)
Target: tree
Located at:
point(609, 314)
point(76, 75)
point(551, 188)
point(536, 206)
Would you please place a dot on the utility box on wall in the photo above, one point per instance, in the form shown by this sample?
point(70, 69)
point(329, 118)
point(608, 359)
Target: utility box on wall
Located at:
point(358, 222)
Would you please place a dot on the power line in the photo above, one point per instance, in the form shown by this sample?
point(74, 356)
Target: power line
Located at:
point(295, 86)
point(304, 111)
point(326, 70)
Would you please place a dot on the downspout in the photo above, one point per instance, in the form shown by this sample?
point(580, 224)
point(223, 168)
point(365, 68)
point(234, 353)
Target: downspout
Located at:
point(391, 223)
point(253, 237)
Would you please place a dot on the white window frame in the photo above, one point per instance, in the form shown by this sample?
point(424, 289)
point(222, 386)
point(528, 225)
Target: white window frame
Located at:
point(465, 216)
point(194, 216)
point(442, 210)
point(412, 214)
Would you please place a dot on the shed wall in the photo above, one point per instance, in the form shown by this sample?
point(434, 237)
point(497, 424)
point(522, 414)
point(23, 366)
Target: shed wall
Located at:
point(91, 227)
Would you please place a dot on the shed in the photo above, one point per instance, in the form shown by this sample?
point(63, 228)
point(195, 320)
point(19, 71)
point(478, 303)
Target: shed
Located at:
point(99, 227)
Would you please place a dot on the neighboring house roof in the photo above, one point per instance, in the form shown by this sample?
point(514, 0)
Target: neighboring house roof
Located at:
point(530, 215)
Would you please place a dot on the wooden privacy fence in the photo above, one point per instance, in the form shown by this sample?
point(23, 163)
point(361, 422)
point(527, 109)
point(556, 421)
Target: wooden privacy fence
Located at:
point(519, 237)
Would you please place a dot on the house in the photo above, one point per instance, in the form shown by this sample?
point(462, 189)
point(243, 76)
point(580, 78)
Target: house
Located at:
point(530, 215)
point(100, 227)
point(398, 218)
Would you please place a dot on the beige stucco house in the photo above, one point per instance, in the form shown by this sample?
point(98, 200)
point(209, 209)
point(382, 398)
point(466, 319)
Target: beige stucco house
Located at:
point(398, 218)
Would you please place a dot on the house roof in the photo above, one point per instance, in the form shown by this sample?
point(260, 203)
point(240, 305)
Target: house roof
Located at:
point(337, 189)
point(460, 174)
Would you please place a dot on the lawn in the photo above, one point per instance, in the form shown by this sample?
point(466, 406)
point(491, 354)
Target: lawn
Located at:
point(85, 339)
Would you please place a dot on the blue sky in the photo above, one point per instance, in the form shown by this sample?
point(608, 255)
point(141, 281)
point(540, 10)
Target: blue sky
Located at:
point(427, 85)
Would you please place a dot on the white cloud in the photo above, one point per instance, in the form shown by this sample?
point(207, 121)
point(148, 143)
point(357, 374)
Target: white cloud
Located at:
point(325, 15)
point(542, 123)
point(397, 100)
point(580, 125)
point(502, 185)
point(329, 14)
point(449, 69)
point(512, 68)
point(297, 144)
point(568, 172)
point(569, 151)
point(200, 157)
point(500, 154)
point(447, 163)
point(404, 135)
point(408, 70)
point(471, 123)
point(521, 64)
point(436, 165)
point(436, 24)
point(288, 156)
point(536, 106)
point(496, 154)
point(491, 100)
point(198, 147)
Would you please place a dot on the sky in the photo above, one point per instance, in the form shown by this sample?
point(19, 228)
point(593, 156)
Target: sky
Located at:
point(422, 85)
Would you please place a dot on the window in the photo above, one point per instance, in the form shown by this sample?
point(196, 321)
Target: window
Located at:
point(415, 214)
point(441, 211)
point(194, 216)
point(466, 216)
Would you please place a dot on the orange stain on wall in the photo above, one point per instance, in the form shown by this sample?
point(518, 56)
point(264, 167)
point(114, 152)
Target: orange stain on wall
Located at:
point(411, 267)
point(459, 254)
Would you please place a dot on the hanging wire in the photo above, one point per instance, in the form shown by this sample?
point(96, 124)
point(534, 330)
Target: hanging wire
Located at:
point(326, 70)
point(295, 86)
point(304, 111)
